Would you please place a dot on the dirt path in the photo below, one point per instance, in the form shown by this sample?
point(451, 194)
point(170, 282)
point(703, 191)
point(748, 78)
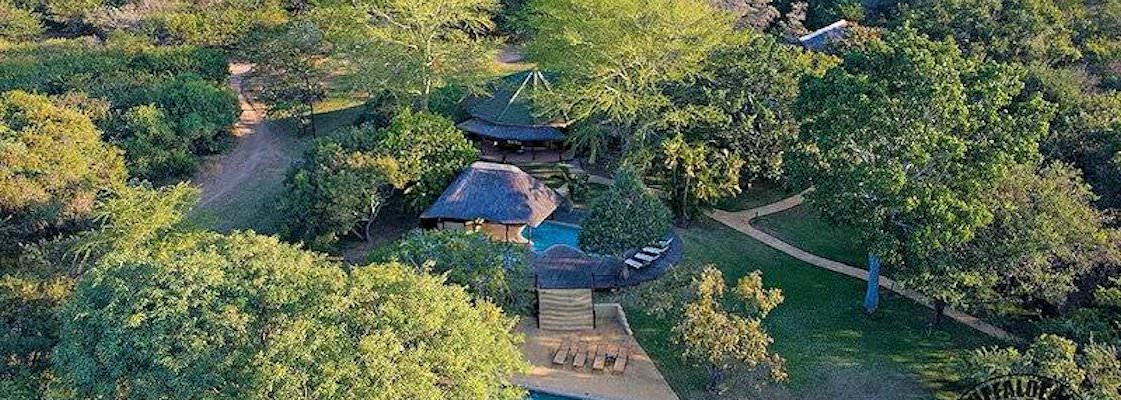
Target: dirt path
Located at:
point(741, 221)
point(240, 186)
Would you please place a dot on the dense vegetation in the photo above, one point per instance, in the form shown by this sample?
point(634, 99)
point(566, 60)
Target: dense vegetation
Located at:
point(972, 145)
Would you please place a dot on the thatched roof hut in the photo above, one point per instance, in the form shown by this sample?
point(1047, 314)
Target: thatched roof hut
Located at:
point(505, 123)
point(503, 197)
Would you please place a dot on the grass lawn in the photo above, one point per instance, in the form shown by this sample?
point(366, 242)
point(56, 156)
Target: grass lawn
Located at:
point(804, 228)
point(759, 194)
point(832, 349)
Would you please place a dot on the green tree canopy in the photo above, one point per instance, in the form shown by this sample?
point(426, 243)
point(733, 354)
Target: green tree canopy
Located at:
point(904, 138)
point(1093, 371)
point(54, 166)
point(497, 271)
point(614, 57)
point(1022, 30)
point(245, 316)
point(741, 100)
point(699, 174)
point(18, 24)
point(347, 178)
point(625, 217)
point(407, 49)
point(727, 337)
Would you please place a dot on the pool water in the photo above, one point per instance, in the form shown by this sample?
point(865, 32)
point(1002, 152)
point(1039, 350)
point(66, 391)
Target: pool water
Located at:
point(545, 396)
point(549, 233)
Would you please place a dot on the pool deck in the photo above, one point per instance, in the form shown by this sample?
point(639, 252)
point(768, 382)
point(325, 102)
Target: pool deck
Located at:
point(640, 381)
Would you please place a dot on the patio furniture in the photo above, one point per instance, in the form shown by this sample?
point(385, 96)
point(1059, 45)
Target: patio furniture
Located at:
point(634, 263)
point(601, 358)
point(621, 361)
point(562, 352)
point(582, 357)
point(645, 257)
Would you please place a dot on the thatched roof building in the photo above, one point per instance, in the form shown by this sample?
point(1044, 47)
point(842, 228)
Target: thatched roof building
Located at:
point(503, 197)
point(506, 124)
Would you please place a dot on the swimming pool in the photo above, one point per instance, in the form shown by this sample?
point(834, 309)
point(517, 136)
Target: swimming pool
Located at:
point(546, 396)
point(550, 233)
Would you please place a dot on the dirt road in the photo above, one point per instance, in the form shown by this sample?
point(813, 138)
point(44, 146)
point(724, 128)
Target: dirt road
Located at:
point(239, 188)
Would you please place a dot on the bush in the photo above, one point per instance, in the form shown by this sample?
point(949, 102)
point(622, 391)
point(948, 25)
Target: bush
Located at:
point(153, 150)
point(493, 270)
point(625, 217)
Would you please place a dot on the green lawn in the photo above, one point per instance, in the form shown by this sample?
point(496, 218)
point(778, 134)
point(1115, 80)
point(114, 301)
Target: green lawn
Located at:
point(758, 194)
point(804, 228)
point(832, 349)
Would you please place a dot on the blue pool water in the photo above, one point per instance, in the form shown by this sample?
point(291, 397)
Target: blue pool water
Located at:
point(550, 233)
point(546, 396)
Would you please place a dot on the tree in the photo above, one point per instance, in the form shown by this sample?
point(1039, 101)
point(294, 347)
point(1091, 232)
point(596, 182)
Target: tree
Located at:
point(742, 100)
point(246, 316)
point(55, 164)
point(289, 71)
point(337, 185)
point(348, 177)
point(498, 271)
point(614, 57)
point(17, 24)
point(1093, 371)
point(432, 146)
point(1044, 237)
point(406, 49)
point(201, 112)
point(1021, 30)
point(699, 174)
point(901, 141)
point(625, 217)
point(724, 337)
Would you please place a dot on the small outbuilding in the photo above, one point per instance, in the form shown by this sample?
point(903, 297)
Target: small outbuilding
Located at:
point(818, 40)
point(498, 199)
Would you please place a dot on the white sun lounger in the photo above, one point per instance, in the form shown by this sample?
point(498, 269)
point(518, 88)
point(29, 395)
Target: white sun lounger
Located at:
point(654, 250)
point(664, 243)
point(645, 257)
point(634, 263)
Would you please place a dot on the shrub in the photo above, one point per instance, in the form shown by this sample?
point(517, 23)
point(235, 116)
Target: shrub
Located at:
point(625, 217)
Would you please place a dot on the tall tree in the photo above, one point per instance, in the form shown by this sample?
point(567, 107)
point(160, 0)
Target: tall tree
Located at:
point(54, 166)
point(289, 70)
point(724, 337)
point(348, 177)
point(614, 57)
point(699, 174)
point(742, 99)
point(902, 140)
point(1004, 30)
point(407, 49)
point(245, 316)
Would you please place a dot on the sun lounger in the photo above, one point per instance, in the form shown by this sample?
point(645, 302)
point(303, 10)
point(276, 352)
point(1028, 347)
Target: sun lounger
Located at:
point(634, 263)
point(576, 351)
point(664, 243)
point(654, 250)
point(562, 353)
point(582, 357)
point(645, 257)
point(621, 361)
point(601, 358)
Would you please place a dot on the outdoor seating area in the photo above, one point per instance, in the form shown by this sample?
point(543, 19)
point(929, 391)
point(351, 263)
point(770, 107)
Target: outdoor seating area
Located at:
point(598, 357)
point(602, 363)
point(564, 266)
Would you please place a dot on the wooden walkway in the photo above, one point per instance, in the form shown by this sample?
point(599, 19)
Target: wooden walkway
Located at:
point(741, 221)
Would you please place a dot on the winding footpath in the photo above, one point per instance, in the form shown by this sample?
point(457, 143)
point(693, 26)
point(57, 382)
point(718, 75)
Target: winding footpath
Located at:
point(741, 221)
